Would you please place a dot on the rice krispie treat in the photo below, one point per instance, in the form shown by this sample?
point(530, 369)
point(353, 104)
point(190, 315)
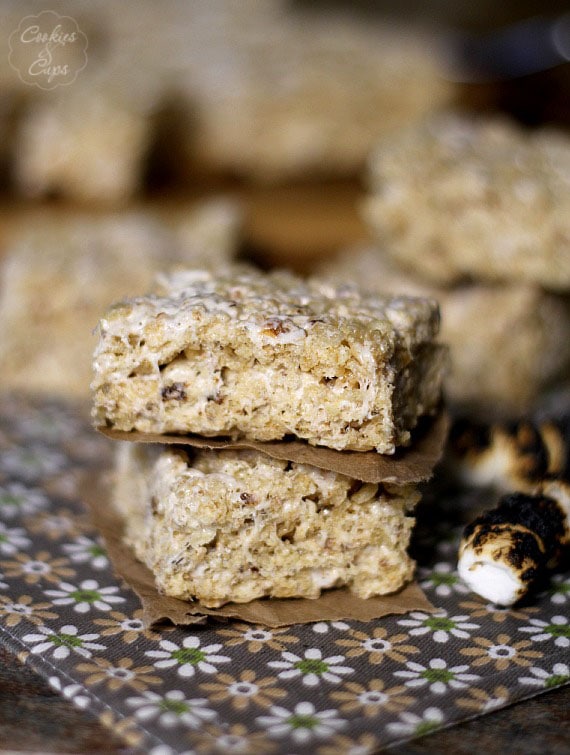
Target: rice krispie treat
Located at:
point(261, 89)
point(89, 146)
point(508, 342)
point(459, 196)
point(245, 354)
point(279, 92)
point(89, 141)
point(222, 526)
point(61, 270)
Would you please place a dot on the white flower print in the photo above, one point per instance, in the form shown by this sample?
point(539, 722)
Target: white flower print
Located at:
point(439, 624)
point(85, 596)
point(3, 585)
point(166, 750)
point(17, 499)
point(483, 700)
point(31, 462)
point(229, 743)
point(494, 702)
point(12, 539)
point(312, 667)
point(171, 709)
point(188, 657)
point(560, 674)
point(62, 642)
point(411, 724)
point(40, 566)
point(558, 629)
point(302, 724)
point(560, 590)
point(257, 634)
point(84, 550)
point(257, 638)
point(322, 627)
point(442, 579)
point(438, 675)
point(73, 692)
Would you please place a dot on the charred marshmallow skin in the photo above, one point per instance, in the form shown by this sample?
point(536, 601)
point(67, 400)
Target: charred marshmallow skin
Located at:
point(506, 551)
point(507, 457)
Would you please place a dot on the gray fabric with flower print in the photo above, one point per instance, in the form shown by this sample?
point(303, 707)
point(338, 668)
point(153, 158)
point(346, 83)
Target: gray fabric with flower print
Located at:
point(325, 687)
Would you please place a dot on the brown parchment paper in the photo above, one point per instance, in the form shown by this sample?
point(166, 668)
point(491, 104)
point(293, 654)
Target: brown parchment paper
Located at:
point(408, 465)
point(333, 605)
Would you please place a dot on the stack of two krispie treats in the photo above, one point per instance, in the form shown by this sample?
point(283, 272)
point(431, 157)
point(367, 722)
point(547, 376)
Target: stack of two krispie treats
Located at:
point(248, 356)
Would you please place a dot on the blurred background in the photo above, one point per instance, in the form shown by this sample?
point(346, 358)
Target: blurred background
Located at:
point(204, 131)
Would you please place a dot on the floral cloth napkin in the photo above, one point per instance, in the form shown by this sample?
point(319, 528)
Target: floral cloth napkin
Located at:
point(327, 688)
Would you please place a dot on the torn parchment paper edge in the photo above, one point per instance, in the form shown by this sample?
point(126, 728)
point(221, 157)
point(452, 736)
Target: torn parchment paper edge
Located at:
point(409, 465)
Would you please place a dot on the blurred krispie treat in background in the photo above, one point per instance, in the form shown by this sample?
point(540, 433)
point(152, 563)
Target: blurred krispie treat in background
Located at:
point(508, 342)
point(458, 197)
point(475, 211)
point(281, 93)
point(60, 270)
point(255, 88)
point(87, 140)
point(86, 147)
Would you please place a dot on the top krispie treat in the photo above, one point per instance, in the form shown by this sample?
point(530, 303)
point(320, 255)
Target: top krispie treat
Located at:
point(458, 196)
point(244, 354)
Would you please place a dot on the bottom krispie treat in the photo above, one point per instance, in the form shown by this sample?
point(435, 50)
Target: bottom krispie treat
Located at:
point(232, 526)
